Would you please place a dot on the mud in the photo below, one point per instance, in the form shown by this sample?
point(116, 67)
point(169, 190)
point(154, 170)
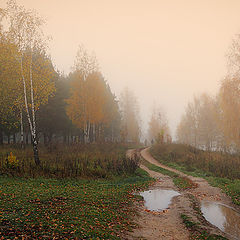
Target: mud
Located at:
point(168, 224)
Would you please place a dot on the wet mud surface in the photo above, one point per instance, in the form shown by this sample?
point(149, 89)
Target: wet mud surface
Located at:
point(223, 217)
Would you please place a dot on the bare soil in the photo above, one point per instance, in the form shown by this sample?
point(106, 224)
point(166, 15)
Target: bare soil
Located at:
point(168, 225)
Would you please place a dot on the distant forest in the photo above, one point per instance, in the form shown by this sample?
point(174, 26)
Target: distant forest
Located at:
point(213, 122)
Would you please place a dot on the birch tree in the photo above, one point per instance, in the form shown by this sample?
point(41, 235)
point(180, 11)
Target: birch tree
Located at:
point(90, 106)
point(199, 124)
point(230, 106)
point(25, 31)
point(84, 65)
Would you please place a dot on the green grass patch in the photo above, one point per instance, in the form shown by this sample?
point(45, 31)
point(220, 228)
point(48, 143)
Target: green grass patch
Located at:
point(230, 187)
point(155, 168)
point(51, 208)
point(181, 182)
point(187, 221)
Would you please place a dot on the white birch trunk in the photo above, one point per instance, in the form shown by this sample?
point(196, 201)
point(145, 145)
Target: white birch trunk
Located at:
point(35, 144)
point(25, 98)
point(32, 101)
point(21, 129)
point(32, 126)
point(85, 133)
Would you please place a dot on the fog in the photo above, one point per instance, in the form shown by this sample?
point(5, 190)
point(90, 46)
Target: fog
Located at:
point(165, 51)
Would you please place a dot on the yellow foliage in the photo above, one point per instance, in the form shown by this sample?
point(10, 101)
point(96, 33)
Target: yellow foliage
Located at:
point(12, 160)
point(88, 100)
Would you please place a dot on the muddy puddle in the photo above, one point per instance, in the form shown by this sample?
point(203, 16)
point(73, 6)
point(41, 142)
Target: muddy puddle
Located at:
point(158, 199)
point(223, 217)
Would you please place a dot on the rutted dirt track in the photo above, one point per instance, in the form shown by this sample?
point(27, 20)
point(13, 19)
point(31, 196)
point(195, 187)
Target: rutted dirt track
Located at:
point(168, 224)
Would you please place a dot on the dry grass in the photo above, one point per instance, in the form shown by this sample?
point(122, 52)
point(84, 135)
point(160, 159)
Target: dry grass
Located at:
point(98, 161)
point(212, 163)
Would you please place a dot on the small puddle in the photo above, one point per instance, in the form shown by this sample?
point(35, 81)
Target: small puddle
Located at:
point(158, 199)
point(223, 217)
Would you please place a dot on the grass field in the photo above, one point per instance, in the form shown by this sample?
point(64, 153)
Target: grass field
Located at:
point(43, 208)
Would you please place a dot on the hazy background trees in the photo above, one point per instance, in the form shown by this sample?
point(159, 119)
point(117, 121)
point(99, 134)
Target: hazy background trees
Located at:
point(212, 122)
point(199, 125)
point(130, 125)
point(158, 130)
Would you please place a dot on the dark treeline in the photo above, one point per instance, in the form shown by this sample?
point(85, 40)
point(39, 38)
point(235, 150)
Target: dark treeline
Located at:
point(57, 121)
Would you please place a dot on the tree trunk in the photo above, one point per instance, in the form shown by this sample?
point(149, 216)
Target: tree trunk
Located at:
point(34, 135)
point(94, 133)
point(45, 140)
point(26, 136)
point(21, 129)
point(112, 133)
point(35, 152)
point(14, 138)
point(86, 133)
point(32, 123)
point(1, 137)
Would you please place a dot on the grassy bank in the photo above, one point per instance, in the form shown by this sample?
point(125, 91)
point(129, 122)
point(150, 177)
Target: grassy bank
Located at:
point(51, 208)
point(221, 170)
point(181, 182)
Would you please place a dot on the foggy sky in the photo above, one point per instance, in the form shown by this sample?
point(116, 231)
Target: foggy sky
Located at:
point(165, 51)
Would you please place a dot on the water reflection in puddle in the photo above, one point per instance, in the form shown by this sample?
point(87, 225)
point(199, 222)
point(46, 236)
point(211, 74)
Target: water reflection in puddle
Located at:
point(158, 199)
point(223, 217)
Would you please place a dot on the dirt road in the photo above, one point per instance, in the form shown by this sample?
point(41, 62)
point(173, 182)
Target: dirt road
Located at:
point(203, 190)
point(168, 224)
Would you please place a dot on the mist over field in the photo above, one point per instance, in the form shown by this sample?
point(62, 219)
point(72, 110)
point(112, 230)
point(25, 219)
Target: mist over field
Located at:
point(120, 119)
point(165, 51)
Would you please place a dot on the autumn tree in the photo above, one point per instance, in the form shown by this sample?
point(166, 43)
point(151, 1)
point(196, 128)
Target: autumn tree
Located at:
point(112, 124)
point(230, 109)
point(85, 63)
point(229, 97)
point(233, 59)
point(36, 72)
point(130, 129)
point(158, 130)
point(9, 72)
point(199, 124)
point(91, 105)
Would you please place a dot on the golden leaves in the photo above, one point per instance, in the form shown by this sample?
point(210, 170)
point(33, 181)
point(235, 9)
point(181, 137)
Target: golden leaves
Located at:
point(89, 100)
